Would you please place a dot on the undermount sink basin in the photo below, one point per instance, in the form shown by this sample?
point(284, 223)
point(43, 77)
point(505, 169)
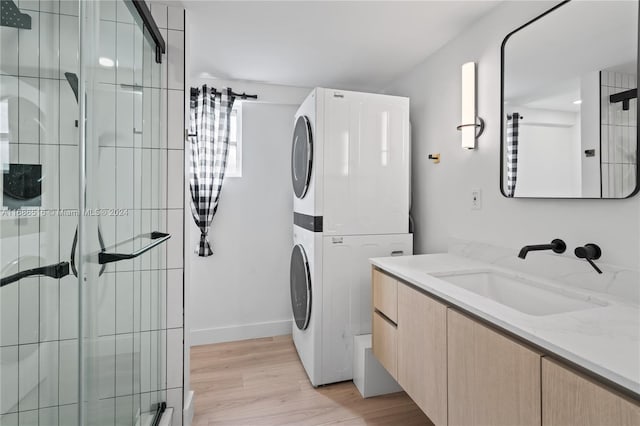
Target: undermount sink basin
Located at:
point(524, 295)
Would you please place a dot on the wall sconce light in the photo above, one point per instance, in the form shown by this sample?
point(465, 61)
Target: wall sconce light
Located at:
point(472, 126)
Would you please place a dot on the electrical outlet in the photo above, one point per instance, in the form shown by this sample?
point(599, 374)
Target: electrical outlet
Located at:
point(476, 199)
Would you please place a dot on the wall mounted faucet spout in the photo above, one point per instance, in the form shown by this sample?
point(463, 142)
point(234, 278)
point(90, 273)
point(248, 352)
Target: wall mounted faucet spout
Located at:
point(557, 245)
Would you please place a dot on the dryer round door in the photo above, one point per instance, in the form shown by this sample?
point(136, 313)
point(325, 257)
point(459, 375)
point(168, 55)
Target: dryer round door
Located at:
point(300, 280)
point(301, 156)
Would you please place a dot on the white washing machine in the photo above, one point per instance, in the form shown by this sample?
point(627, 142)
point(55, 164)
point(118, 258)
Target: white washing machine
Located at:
point(331, 296)
point(350, 162)
point(306, 299)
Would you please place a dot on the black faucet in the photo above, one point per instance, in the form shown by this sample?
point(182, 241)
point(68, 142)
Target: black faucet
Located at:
point(557, 245)
point(589, 252)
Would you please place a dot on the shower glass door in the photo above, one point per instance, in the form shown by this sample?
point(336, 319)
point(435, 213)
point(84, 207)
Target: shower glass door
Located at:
point(83, 157)
point(39, 145)
point(123, 164)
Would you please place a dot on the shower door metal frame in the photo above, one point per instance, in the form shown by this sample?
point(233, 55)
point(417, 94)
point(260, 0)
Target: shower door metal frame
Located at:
point(151, 26)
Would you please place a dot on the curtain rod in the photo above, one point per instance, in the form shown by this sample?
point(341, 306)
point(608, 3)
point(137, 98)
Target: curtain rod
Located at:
point(509, 116)
point(242, 95)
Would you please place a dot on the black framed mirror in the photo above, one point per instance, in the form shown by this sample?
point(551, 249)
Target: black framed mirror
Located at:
point(569, 115)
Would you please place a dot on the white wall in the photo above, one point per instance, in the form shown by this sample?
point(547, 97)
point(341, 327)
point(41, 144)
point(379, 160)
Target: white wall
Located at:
point(590, 133)
point(442, 192)
point(549, 160)
point(242, 291)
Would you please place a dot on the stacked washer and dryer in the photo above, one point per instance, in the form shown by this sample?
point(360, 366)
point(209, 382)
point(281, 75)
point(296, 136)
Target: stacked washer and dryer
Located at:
point(350, 167)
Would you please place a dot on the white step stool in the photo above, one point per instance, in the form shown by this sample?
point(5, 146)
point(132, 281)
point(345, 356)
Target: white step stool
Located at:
point(369, 375)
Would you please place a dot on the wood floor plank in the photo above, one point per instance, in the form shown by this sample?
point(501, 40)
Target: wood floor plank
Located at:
point(261, 382)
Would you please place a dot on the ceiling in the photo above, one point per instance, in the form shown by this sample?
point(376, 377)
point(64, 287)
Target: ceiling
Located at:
point(359, 45)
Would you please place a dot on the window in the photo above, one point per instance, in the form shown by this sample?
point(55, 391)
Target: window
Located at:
point(234, 160)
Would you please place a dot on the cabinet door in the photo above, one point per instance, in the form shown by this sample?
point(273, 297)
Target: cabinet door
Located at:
point(422, 351)
point(569, 398)
point(492, 379)
point(384, 343)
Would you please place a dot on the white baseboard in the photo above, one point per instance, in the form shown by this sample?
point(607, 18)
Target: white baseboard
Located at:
point(187, 412)
point(241, 332)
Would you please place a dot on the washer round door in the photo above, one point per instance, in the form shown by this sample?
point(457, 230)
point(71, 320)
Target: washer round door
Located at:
point(300, 280)
point(301, 156)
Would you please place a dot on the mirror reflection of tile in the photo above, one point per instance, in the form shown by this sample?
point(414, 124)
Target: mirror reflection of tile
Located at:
point(618, 136)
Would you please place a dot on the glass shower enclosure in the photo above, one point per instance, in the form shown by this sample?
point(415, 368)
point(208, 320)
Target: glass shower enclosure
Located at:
point(82, 219)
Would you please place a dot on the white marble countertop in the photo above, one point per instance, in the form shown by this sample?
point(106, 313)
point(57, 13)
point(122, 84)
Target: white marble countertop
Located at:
point(603, 339)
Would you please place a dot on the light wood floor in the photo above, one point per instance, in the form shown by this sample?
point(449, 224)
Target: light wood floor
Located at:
point(262, 382)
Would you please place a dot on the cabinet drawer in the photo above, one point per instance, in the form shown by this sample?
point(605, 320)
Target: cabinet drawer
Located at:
point(385, 295)
point(384, 344)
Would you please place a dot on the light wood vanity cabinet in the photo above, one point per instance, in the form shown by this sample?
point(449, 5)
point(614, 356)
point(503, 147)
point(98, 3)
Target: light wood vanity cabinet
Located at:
point(422, 351)
point(461, 372)
point(384, 344)
point(385, 295)
point(410, 341)
point(569, 398)
point(492, 380)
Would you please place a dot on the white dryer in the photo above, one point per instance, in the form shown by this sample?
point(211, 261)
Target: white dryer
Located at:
point(306, 157)
point(331, 297)
point(350, 162)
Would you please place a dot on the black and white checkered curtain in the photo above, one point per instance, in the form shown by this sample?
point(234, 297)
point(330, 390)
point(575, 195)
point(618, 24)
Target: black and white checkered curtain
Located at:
point(512, 152)
point(209, 124)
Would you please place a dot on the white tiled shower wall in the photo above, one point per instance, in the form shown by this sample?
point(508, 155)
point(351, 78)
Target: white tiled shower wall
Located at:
point(618, 136)
point(39, 316)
